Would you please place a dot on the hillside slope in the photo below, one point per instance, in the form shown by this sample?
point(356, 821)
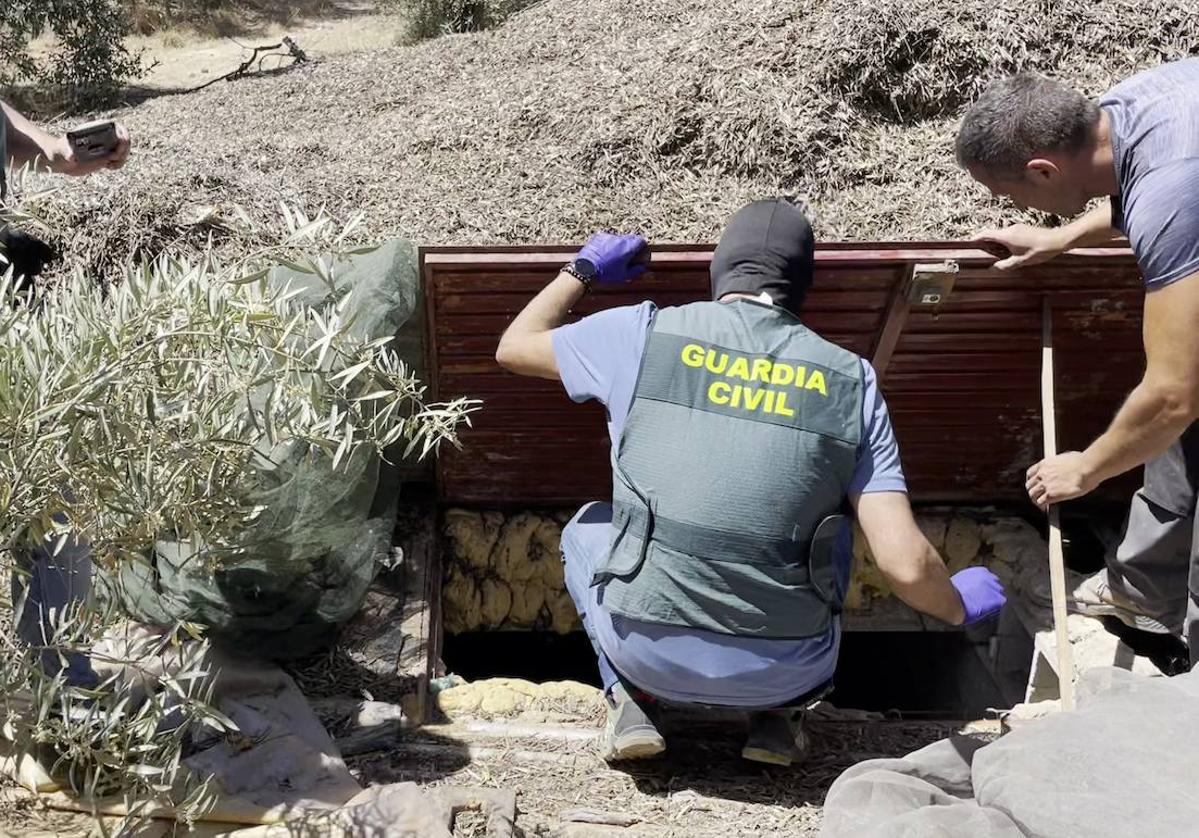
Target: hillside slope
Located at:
point(661, 116)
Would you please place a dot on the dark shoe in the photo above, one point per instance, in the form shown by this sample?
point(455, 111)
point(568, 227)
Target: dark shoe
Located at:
point(776, 737)
point(629, 734)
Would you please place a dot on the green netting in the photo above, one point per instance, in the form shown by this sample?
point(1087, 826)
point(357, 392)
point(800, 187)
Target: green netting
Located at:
point(314, 551)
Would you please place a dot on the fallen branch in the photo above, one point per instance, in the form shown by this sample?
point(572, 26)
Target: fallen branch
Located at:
point(598, 818)
point(258, 54)
point(366, 740)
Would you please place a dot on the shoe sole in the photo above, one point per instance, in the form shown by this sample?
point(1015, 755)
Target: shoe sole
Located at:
point(767, 757)
point(1136, 621)
point(640, 747)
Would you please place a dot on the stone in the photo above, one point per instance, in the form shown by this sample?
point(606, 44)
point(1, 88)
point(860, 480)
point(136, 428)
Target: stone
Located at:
point(506, 697)
point(963, 539)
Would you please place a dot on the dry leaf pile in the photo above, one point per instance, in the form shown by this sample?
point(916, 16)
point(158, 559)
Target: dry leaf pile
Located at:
point(658, 116)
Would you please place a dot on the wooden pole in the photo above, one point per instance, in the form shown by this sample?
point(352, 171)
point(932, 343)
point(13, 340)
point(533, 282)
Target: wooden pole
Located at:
point(897, 315)
point(1057, 562)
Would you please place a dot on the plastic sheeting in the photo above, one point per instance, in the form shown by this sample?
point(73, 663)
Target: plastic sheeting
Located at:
point(1123, 764)
point(280, 773)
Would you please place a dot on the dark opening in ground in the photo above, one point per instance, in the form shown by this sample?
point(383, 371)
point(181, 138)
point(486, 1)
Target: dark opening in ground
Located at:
point(936, 675)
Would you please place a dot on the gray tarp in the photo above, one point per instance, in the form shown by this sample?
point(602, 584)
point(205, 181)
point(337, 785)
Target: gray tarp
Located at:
point(1125, 763)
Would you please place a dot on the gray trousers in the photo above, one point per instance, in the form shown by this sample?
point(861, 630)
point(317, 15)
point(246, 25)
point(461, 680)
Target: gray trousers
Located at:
point(1157, 561)
point(46, 585)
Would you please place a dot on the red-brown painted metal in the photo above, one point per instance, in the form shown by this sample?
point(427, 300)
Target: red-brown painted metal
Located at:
point(961, 383)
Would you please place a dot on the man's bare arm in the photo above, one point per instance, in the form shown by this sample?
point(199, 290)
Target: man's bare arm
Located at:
point(1155, 414)
point(1091, 229)
point(1030, 245)
point(526, 347)
point(28, 144)
point(904, 556)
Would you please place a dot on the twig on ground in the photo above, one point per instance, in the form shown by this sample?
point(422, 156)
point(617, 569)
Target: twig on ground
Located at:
point(258, 55)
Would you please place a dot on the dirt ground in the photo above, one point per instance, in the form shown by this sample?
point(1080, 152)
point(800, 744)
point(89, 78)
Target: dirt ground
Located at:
point(701, 787)
point(183, 57)
point(20, 816)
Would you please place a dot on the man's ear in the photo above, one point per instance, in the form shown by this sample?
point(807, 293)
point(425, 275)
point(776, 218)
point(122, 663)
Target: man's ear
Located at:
point(1040, 171)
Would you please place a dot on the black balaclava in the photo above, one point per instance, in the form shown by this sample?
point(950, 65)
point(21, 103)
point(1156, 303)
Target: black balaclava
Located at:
point(767, 246)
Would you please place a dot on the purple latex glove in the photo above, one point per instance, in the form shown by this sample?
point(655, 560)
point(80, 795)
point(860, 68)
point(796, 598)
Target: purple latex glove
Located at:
point(614, 257)
point(981, 593)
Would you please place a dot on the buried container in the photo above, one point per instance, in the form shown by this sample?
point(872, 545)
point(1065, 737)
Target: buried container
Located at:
point(960, 369)
point(506, 613)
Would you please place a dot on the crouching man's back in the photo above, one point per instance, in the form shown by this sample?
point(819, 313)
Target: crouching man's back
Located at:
point(722, 477)
point(716, 575)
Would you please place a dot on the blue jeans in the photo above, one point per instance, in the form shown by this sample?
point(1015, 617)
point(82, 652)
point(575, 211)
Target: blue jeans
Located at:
point(585, 542)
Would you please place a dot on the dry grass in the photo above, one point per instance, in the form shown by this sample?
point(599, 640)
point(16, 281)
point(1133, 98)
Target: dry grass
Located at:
point(662, 117)
point(231, 17)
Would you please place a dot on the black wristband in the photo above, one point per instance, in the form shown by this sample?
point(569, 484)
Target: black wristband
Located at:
point(570, 268)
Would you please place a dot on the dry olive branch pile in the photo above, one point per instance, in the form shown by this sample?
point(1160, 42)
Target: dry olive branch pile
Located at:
point(144, 412)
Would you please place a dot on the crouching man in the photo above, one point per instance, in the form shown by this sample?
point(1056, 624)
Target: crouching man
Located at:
point(715, 576)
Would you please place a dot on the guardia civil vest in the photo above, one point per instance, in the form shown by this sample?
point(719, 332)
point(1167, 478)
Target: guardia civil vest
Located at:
point(730, 474)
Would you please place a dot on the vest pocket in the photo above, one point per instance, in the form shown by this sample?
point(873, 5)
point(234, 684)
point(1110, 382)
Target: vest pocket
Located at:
point(822, 558)
point(630, 544)
point(675, 588)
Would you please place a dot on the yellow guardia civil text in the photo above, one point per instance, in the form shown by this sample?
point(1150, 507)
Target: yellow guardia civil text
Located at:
point(777, 375)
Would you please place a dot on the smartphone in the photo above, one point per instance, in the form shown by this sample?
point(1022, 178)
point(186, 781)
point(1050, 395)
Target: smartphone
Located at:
point(94, 140)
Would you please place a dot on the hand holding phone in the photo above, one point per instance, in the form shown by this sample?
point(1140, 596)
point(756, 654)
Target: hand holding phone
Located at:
point(92, 148)
point(93, 141)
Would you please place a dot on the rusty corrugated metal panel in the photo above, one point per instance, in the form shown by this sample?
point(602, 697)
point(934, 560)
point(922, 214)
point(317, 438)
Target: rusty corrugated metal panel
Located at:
point(962, 382)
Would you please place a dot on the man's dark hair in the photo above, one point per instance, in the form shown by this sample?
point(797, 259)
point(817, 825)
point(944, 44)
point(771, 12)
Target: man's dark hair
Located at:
point(28, 255)
point(1021, 117)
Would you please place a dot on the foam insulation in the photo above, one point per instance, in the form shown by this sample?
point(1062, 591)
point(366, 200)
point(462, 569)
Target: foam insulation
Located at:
point(505, 571)
point(501, 697)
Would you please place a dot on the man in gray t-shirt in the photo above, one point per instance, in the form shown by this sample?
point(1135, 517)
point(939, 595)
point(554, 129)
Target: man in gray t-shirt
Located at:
point(1049, 147)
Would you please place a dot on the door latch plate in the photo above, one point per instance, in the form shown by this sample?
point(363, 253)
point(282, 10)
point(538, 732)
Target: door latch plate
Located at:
point(932, 284)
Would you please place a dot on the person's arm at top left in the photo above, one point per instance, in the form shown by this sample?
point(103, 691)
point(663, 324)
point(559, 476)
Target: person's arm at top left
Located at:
point(1166, 402)
point(28, 143)
point(526, 347)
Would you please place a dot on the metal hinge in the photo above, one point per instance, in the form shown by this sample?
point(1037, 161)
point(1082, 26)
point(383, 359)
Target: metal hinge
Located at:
point(932, 283)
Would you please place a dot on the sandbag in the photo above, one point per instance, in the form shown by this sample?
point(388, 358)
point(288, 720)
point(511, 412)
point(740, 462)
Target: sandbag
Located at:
point(504, 570)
